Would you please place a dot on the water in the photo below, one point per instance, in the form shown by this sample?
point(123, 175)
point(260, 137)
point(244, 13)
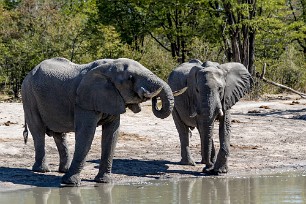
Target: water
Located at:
point(280, 188)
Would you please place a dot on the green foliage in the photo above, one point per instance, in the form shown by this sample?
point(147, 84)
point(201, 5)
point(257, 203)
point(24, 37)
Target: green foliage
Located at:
point(279, 43)
point(172, 24)
point(37, 30)
point(288, 70)
point(205, 51)
point(158, 34)
point(126, 17)
point(10, 4)
point(158, 60)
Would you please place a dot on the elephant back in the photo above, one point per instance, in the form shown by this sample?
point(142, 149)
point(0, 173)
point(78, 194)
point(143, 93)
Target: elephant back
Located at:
point(55, 68)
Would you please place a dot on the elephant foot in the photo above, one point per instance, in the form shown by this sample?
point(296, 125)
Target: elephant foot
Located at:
point(214, 171)
point(63, 169)
point(209, 170)
point(221, 170)
point(40, 167)
point(104, 178)
point(73, 180)
point(187, 162)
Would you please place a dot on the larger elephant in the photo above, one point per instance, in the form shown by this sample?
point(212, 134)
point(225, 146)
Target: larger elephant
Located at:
point(212, 90)
point(60, 96)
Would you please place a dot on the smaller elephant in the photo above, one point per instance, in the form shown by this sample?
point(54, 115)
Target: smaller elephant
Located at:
point(60, 96)
point(212, 90)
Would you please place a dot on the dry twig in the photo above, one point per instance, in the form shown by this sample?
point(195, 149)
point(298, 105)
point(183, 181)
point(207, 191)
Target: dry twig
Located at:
point(262, 77)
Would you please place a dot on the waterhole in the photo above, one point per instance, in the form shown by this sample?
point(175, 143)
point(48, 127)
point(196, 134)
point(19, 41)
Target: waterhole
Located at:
point(277, 188)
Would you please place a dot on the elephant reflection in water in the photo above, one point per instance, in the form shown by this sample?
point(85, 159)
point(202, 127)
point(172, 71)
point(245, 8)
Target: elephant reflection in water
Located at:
point(74, 195)
point(192, 190)
point(101, 194)
point(212, 190)
point(41, 195)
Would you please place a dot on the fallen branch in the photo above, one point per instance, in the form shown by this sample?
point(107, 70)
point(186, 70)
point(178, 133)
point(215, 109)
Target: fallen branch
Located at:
point(262, 77)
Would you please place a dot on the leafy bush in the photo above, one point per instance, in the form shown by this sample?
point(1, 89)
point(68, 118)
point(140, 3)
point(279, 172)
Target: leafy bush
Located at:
point(152, 56)
point(289, 69)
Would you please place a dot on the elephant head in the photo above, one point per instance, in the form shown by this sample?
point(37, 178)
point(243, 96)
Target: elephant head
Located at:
point(121, 83)
point(215, 88)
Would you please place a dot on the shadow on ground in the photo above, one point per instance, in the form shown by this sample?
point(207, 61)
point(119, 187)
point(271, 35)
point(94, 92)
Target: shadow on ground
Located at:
point(27, 177)
point(154, 169)
point(146, 168)
point(293, 114)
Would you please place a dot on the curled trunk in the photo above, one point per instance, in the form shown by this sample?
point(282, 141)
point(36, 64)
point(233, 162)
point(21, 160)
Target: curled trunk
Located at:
point(167, 102)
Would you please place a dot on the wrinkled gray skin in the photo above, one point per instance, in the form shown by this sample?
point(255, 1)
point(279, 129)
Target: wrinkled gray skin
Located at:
point(212, 90)
point(60, 96)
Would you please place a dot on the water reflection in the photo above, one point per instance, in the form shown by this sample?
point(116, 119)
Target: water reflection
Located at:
point(281, 188)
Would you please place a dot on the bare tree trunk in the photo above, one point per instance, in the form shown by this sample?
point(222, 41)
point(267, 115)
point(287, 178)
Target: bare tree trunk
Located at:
point(241, 48)
point(251, 67)
point(183, 52)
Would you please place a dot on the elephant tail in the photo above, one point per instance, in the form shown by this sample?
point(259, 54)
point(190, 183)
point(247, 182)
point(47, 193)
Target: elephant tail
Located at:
point(25, 132)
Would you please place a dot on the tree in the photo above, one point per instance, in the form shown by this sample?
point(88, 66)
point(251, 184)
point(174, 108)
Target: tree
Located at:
point(36, 30)
point(170, 31)
point(175, 23)
point(126, 18)
point(237, 29)
point(298, 22)
point(171, 23)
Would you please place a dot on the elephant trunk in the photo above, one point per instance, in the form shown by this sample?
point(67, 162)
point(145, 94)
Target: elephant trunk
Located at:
point(211, 109)
point(210, 105)
point(207, 146)
point(167, 102)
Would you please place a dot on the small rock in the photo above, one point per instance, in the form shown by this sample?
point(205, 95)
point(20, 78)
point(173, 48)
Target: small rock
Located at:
point(254, 111)
point(294, 102)
point(264, 107)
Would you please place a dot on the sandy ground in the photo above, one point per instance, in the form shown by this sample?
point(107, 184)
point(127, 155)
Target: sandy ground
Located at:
point(268, 135)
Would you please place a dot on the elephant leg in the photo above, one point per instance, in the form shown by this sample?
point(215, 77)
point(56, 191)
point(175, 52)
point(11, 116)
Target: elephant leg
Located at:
point(224, 137)
point(37, 129)
point(85, 127)
point(62, 147)
point(184, 134)
point(110, 132)
point(40, 164)
point(213, 152)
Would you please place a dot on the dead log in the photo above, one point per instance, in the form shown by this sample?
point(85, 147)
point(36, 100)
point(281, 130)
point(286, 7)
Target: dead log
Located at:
point(262, 77)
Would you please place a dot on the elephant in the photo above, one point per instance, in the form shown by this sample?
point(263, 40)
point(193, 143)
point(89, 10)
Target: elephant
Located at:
point(212, 90)
point(60, 96)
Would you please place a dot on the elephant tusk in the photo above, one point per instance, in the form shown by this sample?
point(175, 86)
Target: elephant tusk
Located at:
point(179, 92)
point(221, 112)
point(148, 94)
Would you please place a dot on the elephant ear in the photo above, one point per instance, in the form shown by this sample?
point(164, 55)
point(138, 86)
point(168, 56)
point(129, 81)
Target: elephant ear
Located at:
point(191, 84)
point(238, 82)
point(97, 92)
